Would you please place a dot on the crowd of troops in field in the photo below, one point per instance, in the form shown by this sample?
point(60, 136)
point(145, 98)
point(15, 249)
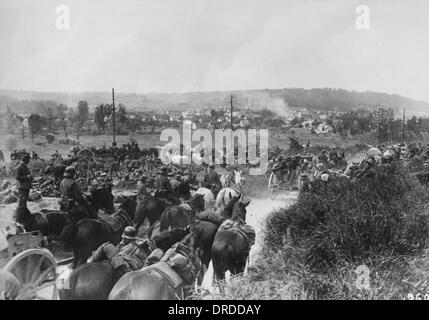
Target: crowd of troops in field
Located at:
point(68, 178)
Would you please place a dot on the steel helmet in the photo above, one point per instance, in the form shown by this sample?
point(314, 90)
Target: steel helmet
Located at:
point(324, 177)
point(130, 233)
point(70, 171)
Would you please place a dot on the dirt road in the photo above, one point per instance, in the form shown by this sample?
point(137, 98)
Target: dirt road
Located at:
point(257, 211)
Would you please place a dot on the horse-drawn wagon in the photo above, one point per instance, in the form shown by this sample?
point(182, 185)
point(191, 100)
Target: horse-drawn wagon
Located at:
point(287, 179)
point(33, 265)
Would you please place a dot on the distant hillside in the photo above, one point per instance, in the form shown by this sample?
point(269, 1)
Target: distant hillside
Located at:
point(279, 100)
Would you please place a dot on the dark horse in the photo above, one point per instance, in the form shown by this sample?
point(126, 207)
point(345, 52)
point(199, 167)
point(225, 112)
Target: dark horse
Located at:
point(150, 208)
point(182, 215)
point(183, 191)
point(206, 224)
point(50, 223)
point(101, 198)
point(231, 248)
point(88, 234)
point(149, 284)
point(95, 280)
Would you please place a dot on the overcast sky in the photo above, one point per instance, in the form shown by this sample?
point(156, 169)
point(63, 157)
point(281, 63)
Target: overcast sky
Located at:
point(198, 45)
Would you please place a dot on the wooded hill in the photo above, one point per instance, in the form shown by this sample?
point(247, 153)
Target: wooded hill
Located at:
point(274, 99)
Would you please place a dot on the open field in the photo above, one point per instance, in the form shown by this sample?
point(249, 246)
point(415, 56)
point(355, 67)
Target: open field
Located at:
point(277, 137)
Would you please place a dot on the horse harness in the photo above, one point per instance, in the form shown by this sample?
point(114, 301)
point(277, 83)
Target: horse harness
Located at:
point(116, 222)
point(241, 227)
point(187, 208)
point(167, 272)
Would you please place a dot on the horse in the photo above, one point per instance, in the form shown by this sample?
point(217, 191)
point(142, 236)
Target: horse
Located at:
point(50, 223)
point(150, 208)
point(229, 190)
point(150, 283)
point(226, 194)
point(231, 247)
point(182, 215)
point(102, 198)
point(183, 190)
point(95, 280)
point(88, 234)
point(209, 199)
point(234, 177)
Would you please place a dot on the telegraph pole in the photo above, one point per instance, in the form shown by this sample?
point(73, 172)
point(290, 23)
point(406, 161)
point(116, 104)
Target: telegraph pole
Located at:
point(231, 114)
point(113, 115)
point(403, 125)
point(232, 129)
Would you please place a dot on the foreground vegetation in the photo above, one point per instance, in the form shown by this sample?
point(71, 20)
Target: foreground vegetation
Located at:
point(312, 250)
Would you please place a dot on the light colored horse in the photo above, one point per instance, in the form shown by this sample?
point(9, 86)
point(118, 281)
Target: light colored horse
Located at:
point(228, 181)
point(209, 199)
point(229, 191)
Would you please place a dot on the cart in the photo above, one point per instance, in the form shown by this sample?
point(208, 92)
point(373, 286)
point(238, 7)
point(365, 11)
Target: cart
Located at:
point(34, 266)
point(275, 186)
point(85, 153)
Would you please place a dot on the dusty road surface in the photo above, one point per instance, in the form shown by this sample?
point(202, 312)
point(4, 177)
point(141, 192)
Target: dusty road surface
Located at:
point(257, 211)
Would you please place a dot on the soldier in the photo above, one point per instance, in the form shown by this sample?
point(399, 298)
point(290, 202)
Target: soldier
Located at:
point(24, 180)
point(177, 180)
point(212, 180)
point(126, 256)
point(142, 191)
point(323, 158)
point(164, 188)
point(70, 191)
point(114, 168)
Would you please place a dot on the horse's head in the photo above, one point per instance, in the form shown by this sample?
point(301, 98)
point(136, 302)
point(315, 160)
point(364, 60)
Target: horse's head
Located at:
point(129, 206)
point(238, 177)
point(227, 211)
point(239, 210)
point(22, 215)
point(198, 202)
point(168, 238)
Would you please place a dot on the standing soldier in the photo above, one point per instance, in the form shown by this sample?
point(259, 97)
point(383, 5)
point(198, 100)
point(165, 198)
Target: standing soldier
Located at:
point(24, 179)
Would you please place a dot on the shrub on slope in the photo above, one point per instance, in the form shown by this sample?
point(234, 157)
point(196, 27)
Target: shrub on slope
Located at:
point(344, 221)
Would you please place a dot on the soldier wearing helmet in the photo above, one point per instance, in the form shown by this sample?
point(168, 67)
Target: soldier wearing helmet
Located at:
point(126, 256)
point(70, 190)
point(164, 188)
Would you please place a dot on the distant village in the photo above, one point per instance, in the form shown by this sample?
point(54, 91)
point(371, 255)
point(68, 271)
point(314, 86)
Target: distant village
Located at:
point(49, 117)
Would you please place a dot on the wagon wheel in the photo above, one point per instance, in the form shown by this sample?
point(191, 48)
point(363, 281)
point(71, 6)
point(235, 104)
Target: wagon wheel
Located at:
point(36, 269)
point(273, 185)
point(85, 153)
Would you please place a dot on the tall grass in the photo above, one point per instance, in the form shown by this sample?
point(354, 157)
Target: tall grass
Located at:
point(311, 250)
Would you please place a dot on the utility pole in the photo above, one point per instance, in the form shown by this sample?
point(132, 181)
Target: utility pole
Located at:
point(231, 114)
point(113, 115)
point(232, 129)
point(403, 125)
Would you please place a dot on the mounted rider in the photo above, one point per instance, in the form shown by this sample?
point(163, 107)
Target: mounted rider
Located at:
point(142, 191)
point(281, 168)
point(126, 256)
point(164, 188)
point(72, 195)
point(212, 180)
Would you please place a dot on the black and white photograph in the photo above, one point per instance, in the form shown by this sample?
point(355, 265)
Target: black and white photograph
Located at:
point(218, 154)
